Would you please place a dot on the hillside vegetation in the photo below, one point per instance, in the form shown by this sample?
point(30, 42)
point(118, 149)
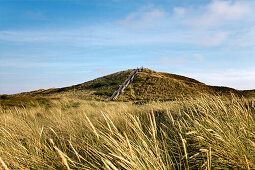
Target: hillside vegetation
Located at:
point(203, 133)
point(147, 85)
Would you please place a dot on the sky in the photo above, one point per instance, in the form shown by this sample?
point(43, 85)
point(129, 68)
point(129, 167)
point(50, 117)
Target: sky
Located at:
point(58, 43)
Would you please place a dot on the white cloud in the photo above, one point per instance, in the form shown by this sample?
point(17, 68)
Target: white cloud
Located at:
point(22, 63)
point(228, 10)
point(207, 25)
point(199, 57)
point(241, 79)
point(172, 60)
point(178, 11)
point(104, 35)
point(33, 14)
point(220, 13)
point(214, 39)
point(247, 38)
point(219, 21)
point(145, 17)
point(101, 70)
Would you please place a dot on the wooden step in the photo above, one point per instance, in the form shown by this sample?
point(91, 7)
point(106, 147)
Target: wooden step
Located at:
point(125, 84)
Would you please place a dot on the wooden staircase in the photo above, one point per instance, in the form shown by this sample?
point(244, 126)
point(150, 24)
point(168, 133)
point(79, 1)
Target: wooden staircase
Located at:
point(125, 84)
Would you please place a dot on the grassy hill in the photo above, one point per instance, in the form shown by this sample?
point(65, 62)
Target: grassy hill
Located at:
point(147, 85)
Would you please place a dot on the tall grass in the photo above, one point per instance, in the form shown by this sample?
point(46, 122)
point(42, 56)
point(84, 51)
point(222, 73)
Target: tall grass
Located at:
point(204, 133)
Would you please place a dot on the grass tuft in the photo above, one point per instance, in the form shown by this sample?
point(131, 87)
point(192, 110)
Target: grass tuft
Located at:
point(202, 133)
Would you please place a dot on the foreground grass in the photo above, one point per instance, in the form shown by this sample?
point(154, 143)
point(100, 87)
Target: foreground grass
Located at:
point(205, 133)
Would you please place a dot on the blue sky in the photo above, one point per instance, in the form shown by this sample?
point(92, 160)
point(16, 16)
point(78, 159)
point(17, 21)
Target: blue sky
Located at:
point(57, 43)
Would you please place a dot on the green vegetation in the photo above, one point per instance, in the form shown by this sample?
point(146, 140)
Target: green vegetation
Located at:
point(147, 85)
point(207, 132)
point(7, 101)
point(104, 92)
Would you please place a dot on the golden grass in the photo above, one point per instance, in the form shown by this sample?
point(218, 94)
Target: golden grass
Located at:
point(203, 133)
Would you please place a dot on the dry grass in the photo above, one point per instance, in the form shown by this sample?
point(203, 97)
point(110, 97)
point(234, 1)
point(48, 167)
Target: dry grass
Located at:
point(205, 133)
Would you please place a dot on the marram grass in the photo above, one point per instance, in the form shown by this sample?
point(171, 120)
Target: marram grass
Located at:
point(206, 133)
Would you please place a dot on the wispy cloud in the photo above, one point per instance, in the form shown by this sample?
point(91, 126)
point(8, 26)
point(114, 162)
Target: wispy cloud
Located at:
point(33, 14)
point(241, 79)
point(212, 39)
point(245, 39)
point(172, 60)
point(220, 20)
point(213, 24)
point(144, 17)
point(180, 60)
point(101, 70)
point(179, 11)
point(21, 63)
point(199, 57)
point(219, 13)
